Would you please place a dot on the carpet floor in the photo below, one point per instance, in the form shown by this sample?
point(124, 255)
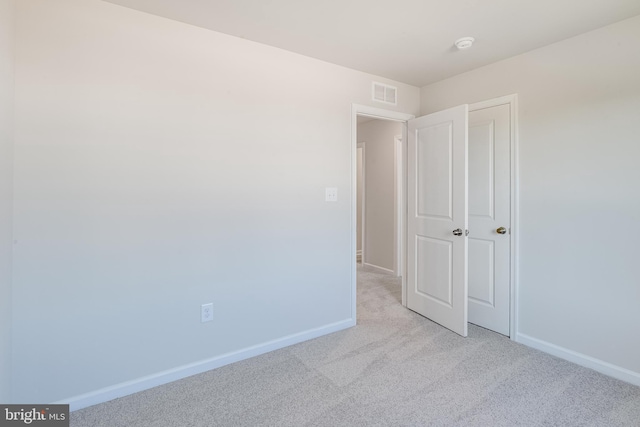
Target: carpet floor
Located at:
point(395, 368)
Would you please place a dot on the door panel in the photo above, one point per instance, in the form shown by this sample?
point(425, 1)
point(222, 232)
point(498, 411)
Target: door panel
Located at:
point(481, 272)
point(481, 157)
point(435, 149)
point(489, 209)
point(437, 205)
point(435, 267)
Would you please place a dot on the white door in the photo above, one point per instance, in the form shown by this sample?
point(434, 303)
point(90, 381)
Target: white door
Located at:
point(437, 217)
point(489, 217)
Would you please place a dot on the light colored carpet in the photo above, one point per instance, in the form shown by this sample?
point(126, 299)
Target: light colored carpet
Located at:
point(395, 368)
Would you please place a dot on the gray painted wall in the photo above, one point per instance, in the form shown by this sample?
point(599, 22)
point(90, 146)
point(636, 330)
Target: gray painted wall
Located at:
point(160, 166)
point(579, 106)
point(6, 200)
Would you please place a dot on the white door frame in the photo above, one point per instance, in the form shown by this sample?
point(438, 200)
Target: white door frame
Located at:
point(377, 113)
point(363, 110)
point(363, 199)
point(398, 190)
point(512, 101)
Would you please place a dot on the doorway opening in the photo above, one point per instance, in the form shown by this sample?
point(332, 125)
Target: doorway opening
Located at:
point(379, 191)
point(477, 294)
point(396, 146)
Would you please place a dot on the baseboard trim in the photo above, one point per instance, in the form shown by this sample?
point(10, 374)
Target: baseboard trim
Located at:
point(378, 268)
point(581, 359)
point(164, 377)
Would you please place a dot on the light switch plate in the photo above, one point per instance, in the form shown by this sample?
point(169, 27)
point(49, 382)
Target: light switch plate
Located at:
point(331, 194)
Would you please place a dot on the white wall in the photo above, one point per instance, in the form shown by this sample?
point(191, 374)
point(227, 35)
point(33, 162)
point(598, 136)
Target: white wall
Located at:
point(579, 103)
point(378, 136)
point(7, 8)
point(160, 166)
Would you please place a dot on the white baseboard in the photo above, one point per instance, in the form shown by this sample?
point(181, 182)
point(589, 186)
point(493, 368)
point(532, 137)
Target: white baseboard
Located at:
point(378, 268)
point(581, 359)
point(164, 377)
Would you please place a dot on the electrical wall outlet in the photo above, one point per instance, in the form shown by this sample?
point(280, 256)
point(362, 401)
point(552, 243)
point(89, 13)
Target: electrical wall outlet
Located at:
point(331, 194)
point(206, 312)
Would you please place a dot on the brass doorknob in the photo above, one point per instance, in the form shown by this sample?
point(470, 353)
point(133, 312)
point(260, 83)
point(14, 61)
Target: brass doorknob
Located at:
point(501, 230)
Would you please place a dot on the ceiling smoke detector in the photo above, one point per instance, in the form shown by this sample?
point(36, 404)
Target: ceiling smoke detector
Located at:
point(464, 43)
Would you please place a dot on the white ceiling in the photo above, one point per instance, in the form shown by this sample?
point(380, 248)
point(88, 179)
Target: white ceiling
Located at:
point(406, 40)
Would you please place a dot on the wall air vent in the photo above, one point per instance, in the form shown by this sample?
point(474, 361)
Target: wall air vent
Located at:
point(385, 93)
